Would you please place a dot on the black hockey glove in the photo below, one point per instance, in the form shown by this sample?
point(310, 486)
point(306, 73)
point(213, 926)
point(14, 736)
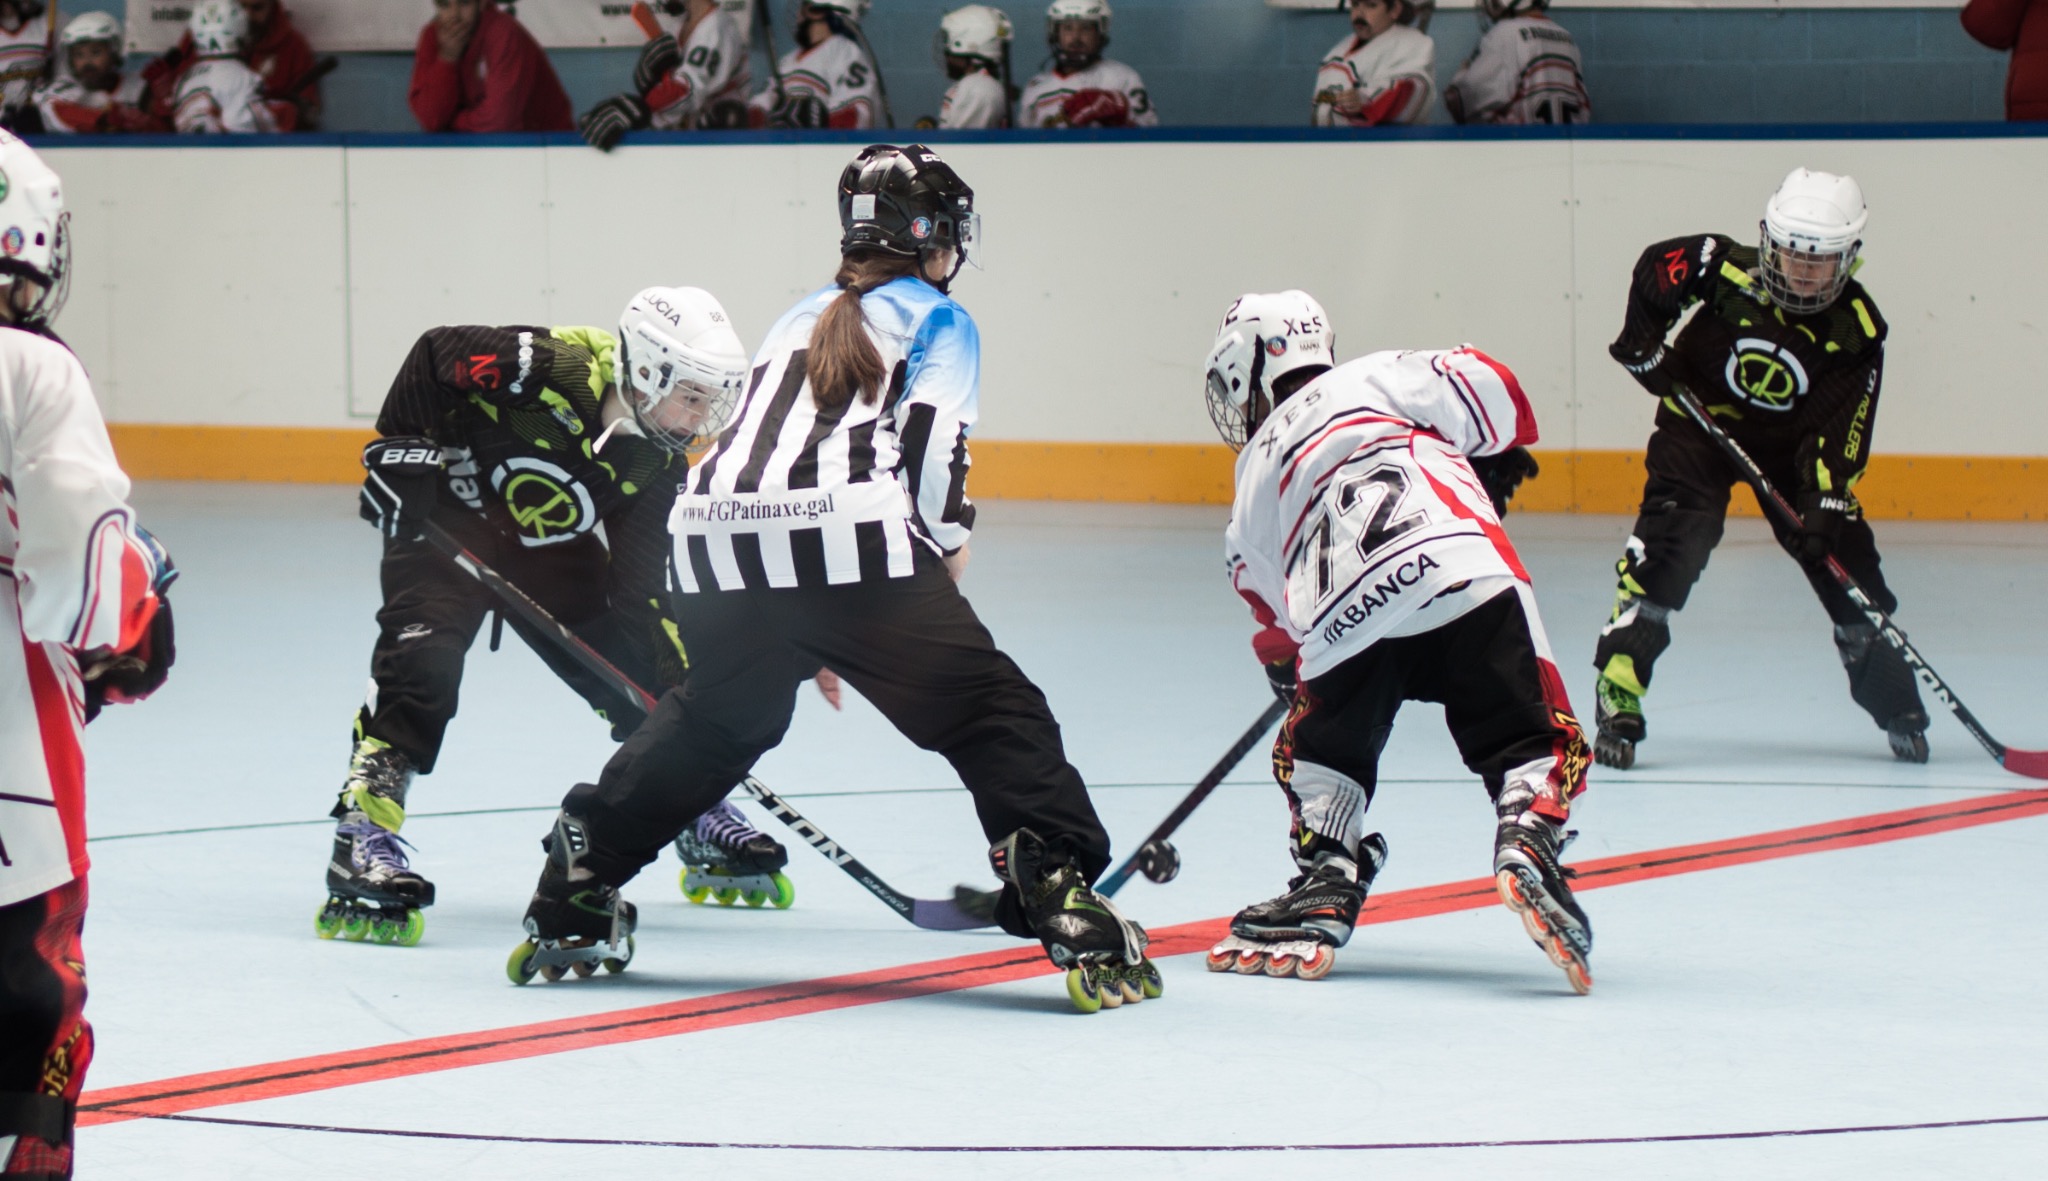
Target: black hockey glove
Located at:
point(658, 58)
point(1646, 366)
point(1501, 474)
point(402, 480)
point(1821, 515)
point(798, 111)
point(131, 675)
point(1282, 678)
point(606, 123)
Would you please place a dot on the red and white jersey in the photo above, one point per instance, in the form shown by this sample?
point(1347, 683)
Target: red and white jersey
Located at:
point(839, 73)
point(25, 59)
point(713, 71)
point(72, 577)
point(1526, 69)
point(68, 107)
point(220, 94)
point(1393, 75)
point(1044, 101)
point(1357, 516)
point(976, 102)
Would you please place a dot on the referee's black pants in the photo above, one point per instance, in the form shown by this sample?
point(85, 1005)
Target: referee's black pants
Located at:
point(912, 646)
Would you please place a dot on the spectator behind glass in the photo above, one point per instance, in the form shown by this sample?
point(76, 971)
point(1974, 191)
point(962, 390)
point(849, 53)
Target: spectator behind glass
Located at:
point(974, 47)
point(478, 69)
point(281, 56)
point(829, 79)
point(1383, 71)
point(26, 30)
point(89, 94)
point(695, 80)
point(1083, 88)
point(2021, 26)
point(1524, 70)
point(218, 92)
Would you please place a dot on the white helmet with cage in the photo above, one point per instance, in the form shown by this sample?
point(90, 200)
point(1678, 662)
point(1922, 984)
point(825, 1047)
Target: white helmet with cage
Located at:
point(1812, 229)
point(852, 10)
point(92, 26)
point(1262, 339)
point(220, 28)
point(976, 31)
point(680, 366)
point(35, 235)
point(1060, 11)
point(1500, 10)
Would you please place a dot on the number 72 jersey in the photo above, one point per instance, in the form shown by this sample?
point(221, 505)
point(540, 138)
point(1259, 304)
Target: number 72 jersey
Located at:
point(1356, 506)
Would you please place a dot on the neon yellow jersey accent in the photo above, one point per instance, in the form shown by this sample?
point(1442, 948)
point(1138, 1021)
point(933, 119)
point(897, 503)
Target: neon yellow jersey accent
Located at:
point(1734, 274)
point(1863, 317)
point(1621, 670)
point(603, 348)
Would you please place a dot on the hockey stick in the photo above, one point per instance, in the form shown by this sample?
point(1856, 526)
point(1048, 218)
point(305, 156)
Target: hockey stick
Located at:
point(2031, 763)
point(1157, 857)
point(643, 15)
point(923, 912)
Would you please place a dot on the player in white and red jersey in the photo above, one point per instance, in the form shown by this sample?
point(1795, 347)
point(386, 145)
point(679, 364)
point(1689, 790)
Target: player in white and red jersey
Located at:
point(694, 79)
point(82, 589)
point(90, 94)
point(219, 92)
point(1384, 71)
point(829, 79)
point(1366, 536)
point(1083, 88)
point(1525, 69)
point(973, 47)
point(27, 29)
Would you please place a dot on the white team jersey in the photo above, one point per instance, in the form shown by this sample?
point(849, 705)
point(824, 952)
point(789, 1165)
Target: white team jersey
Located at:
point(66, 92)
point(220, 94)
point(1045, 95)
point(1356, 506)
point(1526, 69)
point(1401, 56)
point(713, 71)
point(791, 496)
point(976, 101)
point(72, 577)
point(839, 73)
point(24, 59)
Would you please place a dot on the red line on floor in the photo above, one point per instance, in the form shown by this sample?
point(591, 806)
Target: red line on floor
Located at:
point(401, 1059)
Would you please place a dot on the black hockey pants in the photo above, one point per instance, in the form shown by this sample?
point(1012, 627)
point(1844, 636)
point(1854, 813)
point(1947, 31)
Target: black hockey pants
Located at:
point(911, 646)
point(1505, 705)
point(45, 1042)
point(432, 611)
point(1684, 509)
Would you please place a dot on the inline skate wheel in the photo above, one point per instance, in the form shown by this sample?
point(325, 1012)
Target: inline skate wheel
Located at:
point(1150, 982)
point(1249, 962)
point(726, 895)
point(327, 924)
point(1280, 963)
point(355, 926)
point(1108, 984)
point(696, 894)
point(1220, 959)
point(1315, 966)
point(617, 964)
point(519, 966)
point(1083, 991)
point(551, 972)
point(1127, 985)
point(785, 892)
point(583, 969)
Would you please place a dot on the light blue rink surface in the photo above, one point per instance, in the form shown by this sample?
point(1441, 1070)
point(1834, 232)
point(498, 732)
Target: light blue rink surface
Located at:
point(1890, 984)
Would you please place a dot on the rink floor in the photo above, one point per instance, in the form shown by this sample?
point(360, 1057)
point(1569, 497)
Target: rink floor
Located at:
point(1859, 999)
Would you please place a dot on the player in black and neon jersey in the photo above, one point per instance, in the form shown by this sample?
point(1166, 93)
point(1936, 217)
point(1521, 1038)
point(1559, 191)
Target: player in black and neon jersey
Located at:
point(1787, 353)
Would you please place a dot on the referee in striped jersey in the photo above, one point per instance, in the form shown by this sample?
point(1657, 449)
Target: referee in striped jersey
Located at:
point(827, 527)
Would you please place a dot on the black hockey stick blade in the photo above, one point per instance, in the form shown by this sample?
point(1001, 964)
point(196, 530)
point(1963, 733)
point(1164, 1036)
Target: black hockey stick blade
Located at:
point(1114, 880)
point(2031, 763)
point(926, 913)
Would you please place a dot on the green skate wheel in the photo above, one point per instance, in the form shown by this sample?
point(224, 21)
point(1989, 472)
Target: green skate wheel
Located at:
point(755, 898)
point(1150, 982)
point(618, 964)
point(519, 967)
point(407, 934)
point(355, 926)
point(696, 894)
point(726, 895)
point(1083, 991)
point(785, 892)
point(327, 924)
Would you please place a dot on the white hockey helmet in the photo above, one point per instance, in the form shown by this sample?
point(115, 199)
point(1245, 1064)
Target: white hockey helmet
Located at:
point(680, 365)
point(852, 10)
point(1059, 11)
point(1812, 229)
point(1501, 10)
point(92, 26)
point(35, 235)
point(976, 31)
point(220, 28)
point(1262, 339)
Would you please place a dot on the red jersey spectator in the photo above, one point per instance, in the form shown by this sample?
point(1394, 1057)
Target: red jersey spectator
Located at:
point(281, 56)
point(478, 69)
point(2021, 26)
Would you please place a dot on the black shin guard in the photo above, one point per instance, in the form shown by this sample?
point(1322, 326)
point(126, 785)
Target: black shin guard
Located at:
point(1879, 679)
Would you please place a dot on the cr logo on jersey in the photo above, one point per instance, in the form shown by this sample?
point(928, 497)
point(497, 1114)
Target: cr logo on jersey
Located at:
point(547, 504)
point(1765, 375)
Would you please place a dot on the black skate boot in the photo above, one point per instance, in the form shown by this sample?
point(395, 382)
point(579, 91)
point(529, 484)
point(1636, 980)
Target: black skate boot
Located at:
point(1884, 685)
point(727, 860)
point(575, 922)
point(1102, 951)
point(1618, 723)
point(1298, 933)
point(1637, 632)
point(372, 892)
point(1532, 883)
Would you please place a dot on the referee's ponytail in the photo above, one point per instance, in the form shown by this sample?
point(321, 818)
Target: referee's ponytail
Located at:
point(842, 361)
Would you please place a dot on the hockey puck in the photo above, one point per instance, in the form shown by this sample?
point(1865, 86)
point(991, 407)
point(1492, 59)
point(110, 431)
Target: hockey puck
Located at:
point(1159, 861)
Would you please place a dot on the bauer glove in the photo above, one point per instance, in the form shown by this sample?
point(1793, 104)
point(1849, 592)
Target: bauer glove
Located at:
point(1283, 680)
point(1646, 366)
point(1821, 515)
point(400, 484)
point(1501, 474)
point(658, 58)
point(606, 123)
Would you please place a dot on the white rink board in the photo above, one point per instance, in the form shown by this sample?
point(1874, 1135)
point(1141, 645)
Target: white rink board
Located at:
point(211, 281)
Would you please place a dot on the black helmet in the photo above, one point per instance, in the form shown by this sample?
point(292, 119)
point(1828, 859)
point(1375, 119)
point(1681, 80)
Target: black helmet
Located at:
point(906, 202)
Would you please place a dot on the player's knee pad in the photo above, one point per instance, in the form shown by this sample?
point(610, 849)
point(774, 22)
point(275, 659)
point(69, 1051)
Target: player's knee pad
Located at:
point(1880, 680)
point(1636, 634)
point(1668, 551)
point(1329, 809)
